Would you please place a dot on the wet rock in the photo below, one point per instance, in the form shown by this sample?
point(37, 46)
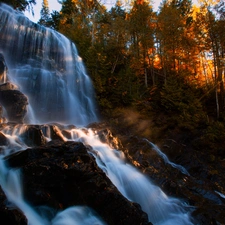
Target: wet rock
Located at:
point(33, 135)
point(195, 189)
point(8, 214)
point(56, 133)
point(203, 189)
point(3, 140)
point(64, 174)
point(13, 101)
point(3, 69)
point(106, 135)
point(15, 104)
point(2, 118)
point(8, 86)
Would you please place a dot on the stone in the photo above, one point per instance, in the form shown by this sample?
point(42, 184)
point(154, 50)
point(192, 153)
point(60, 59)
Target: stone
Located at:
point(33, 135)
point(3, 140)
point(3, 69)
point(15, 104)
point(8, 86)
point(64, 174)
point(201, 190)
point(8, 214)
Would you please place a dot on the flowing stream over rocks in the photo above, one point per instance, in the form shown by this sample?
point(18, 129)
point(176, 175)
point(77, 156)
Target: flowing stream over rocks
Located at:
point(44, 70)
point(165, 158)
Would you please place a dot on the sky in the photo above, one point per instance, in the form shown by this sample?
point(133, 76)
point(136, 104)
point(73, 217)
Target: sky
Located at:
point(54, 5)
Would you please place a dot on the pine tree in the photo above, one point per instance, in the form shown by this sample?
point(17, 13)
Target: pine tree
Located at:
point(45, 14)
point(175, 36)
point(21, 5)
point(141, 29)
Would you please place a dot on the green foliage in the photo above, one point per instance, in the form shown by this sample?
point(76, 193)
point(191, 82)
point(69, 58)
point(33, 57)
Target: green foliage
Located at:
point(45, 14)
point(54, 20)
point(137, 58)
point(180, 100)
point(212, 140)
point(215, 132)
point(21, 5)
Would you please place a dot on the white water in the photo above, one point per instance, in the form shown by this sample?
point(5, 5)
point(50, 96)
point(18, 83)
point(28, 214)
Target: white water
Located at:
point(11, 183)
point(166, 159)
point(220, 194)
point(161, 209)
point(47, 68)
point(45, 72)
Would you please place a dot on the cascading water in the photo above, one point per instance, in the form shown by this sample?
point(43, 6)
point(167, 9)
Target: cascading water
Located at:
point(48, 70)
point(165, 158)
point(161, 209)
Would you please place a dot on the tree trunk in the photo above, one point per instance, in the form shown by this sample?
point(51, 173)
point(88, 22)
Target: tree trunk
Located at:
point(216, 81)
point(146, 78)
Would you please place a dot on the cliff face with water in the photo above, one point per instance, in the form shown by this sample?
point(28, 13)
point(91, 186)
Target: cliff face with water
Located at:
point(46, 67)
point(43, 80)
point(202, 187)
point(52, 171)
point(60, 175)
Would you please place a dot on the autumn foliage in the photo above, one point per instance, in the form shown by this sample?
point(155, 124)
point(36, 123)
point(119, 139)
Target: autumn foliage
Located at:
point(169, 61)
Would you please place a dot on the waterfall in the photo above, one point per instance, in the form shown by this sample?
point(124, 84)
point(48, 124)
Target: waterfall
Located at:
point(136, 187)
point(11, 183)
point(165, 158)
point(161, 209)
point(47, 68)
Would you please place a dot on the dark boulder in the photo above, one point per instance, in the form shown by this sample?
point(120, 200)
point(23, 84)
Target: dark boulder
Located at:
point(64, 174)
point(38, 135)
point(201, 188)
point(2, 118)
point(106, 135)
point(55, 133)
point(8, 86)
point(3, 140)
point(15, 104)
point(11, 98)
point(3, 69)
point(33, 135)
point(8, 214)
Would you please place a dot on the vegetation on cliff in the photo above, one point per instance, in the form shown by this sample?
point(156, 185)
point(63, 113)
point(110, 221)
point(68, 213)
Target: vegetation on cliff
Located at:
point(166, 66)
point(160, 76)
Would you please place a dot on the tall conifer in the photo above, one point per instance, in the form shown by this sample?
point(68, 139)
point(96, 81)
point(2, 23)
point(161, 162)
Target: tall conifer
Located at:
point(45, 14)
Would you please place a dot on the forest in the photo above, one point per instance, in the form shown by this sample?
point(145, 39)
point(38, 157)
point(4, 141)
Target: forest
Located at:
point(166, 66)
